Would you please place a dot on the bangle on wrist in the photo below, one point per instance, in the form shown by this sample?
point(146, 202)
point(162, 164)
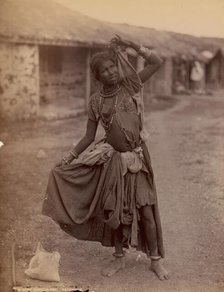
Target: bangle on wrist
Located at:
point(144, 52)
point(74, 154)
point(65, 160)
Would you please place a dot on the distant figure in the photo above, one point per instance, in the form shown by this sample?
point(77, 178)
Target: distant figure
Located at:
point(197, 74)
point(108, 194)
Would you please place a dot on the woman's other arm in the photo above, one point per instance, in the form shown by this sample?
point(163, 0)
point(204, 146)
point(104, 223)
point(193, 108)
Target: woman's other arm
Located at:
point(88, 138)
point(153, 61)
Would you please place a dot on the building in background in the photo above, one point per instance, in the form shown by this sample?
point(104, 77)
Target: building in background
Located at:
point(215, 71)
point(44, 55)
point(45, 49)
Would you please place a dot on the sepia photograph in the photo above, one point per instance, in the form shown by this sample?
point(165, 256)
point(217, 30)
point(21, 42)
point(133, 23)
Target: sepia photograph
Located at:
point(111, 146)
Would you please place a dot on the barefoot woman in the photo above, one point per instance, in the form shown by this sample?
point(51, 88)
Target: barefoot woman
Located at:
point(108, 194)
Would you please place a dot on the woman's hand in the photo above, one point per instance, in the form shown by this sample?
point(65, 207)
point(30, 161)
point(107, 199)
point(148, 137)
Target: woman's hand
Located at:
point(123, 43)
point(67, 159)
point(119, 41)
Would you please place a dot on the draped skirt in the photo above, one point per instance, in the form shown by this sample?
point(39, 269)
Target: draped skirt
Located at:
point(92, 197)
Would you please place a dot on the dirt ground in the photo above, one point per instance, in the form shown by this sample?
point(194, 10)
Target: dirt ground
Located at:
point(187, 150)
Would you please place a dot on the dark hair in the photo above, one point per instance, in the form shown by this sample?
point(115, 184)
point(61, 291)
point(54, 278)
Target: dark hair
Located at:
point(100, 57)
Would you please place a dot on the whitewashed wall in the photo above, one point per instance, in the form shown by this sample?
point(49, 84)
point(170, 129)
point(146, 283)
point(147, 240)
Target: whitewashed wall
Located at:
point(19, 81)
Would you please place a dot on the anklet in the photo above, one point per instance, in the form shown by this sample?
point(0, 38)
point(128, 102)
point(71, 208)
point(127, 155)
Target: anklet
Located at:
point(155, 258)
point(119, 255)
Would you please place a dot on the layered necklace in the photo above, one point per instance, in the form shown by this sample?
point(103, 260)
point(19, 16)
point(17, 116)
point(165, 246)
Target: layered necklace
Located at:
point(107, 122)
point(110, 93)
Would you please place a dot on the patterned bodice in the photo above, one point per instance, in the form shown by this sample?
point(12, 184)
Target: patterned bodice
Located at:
point(119, 117)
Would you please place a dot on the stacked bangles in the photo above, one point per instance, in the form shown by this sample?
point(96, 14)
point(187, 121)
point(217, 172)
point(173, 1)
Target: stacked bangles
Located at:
point(73, 153)
point(144, 52)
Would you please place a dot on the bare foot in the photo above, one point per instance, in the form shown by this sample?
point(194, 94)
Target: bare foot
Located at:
point(159, 270)
point(116, 265)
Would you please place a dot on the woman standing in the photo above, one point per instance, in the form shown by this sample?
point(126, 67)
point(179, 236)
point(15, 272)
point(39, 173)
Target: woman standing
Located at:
point(108, 194)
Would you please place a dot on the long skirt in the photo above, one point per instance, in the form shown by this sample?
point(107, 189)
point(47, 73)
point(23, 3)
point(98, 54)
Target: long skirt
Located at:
point(90, 201)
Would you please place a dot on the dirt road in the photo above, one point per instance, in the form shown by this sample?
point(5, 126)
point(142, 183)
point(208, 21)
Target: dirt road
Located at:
point(187, 149)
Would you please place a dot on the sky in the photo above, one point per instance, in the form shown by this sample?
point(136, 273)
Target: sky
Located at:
point(196, 17)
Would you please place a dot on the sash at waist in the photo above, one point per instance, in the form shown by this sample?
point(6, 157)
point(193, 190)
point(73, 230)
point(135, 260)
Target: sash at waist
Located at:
point(131, 160)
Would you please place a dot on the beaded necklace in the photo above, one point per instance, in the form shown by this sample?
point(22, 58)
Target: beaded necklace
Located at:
point(110, 93)
point(106, 123)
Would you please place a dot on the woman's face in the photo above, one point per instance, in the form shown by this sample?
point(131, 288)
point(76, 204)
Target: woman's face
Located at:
point(108, 73)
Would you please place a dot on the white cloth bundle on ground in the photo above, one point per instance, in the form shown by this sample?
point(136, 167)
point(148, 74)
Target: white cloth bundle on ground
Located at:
point(44, 265)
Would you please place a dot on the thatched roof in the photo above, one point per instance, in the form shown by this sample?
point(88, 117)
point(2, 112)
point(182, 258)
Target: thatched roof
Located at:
point(162, 41)
point(171, 43)
point(216, 42)
point(48, 22)
point(45, 21)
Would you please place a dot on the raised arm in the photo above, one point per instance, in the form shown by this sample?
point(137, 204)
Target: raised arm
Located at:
point(153, 61)
point(83, 143)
